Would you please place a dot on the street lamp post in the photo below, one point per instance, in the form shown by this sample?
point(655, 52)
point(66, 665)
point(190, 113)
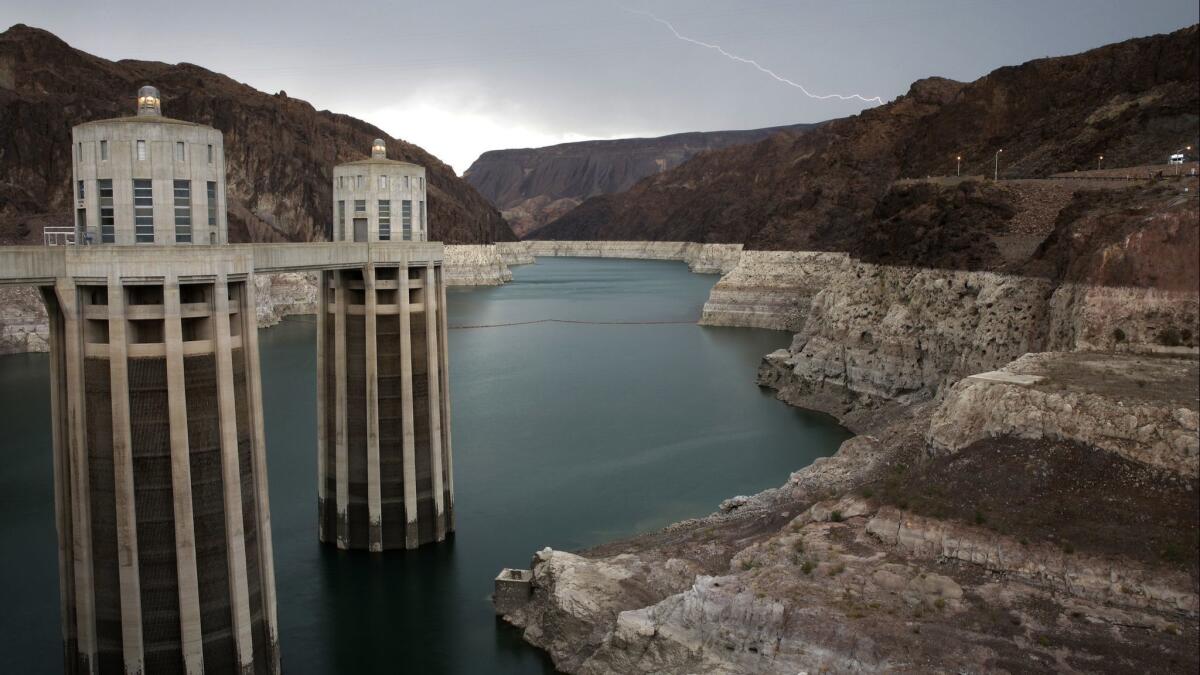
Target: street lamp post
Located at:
point(996, 175)
point(1099, 160)
point(958, 165)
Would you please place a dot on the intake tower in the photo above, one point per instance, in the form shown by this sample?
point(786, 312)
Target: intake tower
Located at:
point(385, 467)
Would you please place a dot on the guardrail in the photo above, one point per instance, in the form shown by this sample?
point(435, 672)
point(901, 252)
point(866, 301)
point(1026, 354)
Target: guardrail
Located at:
point(58, 235)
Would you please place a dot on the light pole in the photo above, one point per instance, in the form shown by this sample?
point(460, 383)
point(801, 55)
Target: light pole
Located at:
point(997, 169)
point(1099, 160)
point(958, 165)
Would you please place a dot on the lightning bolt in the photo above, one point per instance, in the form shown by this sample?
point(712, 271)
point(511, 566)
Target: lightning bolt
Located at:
point(740, 59)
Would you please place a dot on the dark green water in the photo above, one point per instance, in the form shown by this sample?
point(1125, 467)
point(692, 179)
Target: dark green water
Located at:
point(564, 436)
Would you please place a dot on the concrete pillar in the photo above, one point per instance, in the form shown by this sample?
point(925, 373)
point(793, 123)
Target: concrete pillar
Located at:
point(231, 479)
point(131, 596)
point(322, 403)
point(409, 443)
point(74, 455)
point(266, 549)
point(60, 434)
point(374, 500)
point(435, 398)
point(444, 353)
point(181, 485)
point(341, 449)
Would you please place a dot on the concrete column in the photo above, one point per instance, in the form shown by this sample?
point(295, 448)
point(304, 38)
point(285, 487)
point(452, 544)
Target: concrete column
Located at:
point(341, 449)
point(444, 353)
point(60, 437)
point(127, 555)
point(76, 460)
point(435, 397)
point(322, 383)
point(231, 478)
point(411, 535)
point(181, 484)
point(374, 500)
point(258, 448)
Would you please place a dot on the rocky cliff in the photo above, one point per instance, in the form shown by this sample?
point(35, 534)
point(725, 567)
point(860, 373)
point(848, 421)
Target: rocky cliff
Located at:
point(820, 190)
point(280, 151)
point(533, 186)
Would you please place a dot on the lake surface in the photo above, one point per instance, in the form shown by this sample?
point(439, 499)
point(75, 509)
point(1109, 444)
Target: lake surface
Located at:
point(565, 435)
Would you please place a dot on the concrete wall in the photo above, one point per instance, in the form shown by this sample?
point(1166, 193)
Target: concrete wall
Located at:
point(361, 181)
point(160, 166)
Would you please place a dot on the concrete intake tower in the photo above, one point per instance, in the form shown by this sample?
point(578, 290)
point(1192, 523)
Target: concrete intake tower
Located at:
point(160, 467)
point(385, 468)
point(160, 464)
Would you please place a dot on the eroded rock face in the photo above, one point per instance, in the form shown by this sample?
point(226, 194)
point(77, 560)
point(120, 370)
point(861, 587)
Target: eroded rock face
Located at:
point(475, 265)
point(23, 323)
point(1141, 408)
point(701, 258)
point(575, 599)
point(771, 289)
point(284, 294)
point(898, 333)
point(850, 586)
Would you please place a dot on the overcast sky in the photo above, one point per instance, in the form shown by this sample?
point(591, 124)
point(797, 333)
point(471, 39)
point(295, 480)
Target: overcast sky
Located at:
point(462, 77)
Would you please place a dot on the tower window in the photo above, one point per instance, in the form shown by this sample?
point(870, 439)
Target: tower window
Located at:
point(80, 190)
point(421, 182)
point(210, 154)
point(360, 206)
point(103, 150)
point(104, 190)
point(406, 219)
point(212, 204)
point(383, 182)
point(141, 151)
point(385, 219)
point(143, 211)
point(183, 211)
point(406, 183)
point(179, 151)
point(79, 152)
point(424, 224)
point(358, 182)
point(341, 233)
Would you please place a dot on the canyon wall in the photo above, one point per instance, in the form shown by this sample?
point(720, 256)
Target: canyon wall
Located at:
point(533, 186)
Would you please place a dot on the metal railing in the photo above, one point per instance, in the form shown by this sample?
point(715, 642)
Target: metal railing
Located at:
point(58, 235)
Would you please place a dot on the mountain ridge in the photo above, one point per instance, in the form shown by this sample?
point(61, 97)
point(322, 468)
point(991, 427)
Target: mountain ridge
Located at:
point(818, 190)
point(280, 151)
point(533, 186)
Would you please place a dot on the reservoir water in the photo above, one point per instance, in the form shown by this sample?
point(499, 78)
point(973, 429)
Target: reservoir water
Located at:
point(565, 435)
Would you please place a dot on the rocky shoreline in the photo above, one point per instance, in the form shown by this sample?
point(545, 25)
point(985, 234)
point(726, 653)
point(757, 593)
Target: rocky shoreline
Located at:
point(1020, 495)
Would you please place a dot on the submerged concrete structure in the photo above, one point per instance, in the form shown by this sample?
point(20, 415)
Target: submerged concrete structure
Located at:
point(160, 473)
point(385, 466)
